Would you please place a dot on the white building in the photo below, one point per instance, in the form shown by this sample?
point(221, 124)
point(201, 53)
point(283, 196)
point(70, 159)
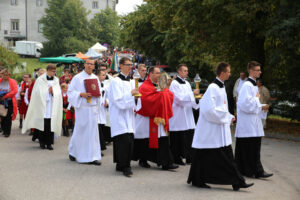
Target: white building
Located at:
point(20, 19)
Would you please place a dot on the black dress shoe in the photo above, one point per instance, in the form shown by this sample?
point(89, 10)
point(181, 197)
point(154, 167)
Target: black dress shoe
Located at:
point(118, 168)
point(5, 135)
point(42, 146)
point(144, 164)
point(49, 147)
point(179, 162)
point(72, 158)
point(188, 161)
point(244, 185)
point(34, 137)
point(127, 172)
point(202, 185)
point(263, 175)
point(167, 167)
point(95, 162)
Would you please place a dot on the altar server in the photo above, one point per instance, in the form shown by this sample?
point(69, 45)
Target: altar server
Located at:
point(213, 160)
point(249, 128)
point(121, 110)
point(182, 124)
point(141, 135)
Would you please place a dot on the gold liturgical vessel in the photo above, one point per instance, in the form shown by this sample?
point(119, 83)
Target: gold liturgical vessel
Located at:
point(136, 77)
point(197, 80)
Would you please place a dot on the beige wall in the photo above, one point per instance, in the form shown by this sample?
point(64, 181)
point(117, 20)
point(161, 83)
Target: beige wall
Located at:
point(34, 14)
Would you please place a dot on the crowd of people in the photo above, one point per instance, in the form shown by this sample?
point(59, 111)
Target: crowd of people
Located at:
point(146, 121)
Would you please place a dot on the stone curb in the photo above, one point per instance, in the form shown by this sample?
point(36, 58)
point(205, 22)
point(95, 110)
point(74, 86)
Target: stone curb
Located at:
point(284, 136)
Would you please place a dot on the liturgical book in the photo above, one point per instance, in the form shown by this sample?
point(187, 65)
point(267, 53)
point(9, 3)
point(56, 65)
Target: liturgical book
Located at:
point(92, 87)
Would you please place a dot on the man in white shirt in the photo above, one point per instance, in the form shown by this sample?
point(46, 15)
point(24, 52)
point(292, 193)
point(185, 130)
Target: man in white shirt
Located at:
point(213, 160)
point(121, 110)
point(182, 124)
point(238, 85)
point(249, 129)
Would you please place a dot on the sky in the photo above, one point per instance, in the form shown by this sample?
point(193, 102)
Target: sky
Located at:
point(126, 6)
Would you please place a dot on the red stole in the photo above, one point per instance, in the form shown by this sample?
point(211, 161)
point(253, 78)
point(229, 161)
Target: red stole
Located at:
point(157, 105)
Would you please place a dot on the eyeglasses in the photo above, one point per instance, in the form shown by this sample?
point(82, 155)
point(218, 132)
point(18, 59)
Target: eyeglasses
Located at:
point(90, 64)
point(128, 65)
point(257, 70)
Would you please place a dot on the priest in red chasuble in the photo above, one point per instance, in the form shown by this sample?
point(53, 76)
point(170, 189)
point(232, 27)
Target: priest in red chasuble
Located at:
point(155, 113)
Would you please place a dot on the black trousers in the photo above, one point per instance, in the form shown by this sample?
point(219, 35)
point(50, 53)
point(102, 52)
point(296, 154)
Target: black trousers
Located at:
point(181, 144)
point(247, 156)
point(163, 155)
point(107, 134)
point(123, 150)
point(141, 148)
point(6, 121)
point(101, 129)
point(46, 137)
point(216, 166)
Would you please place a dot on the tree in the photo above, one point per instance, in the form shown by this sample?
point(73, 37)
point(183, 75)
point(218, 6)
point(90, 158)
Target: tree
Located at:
point(105, 27)
point(65, 26)
point(8, 59)
point(137, 32)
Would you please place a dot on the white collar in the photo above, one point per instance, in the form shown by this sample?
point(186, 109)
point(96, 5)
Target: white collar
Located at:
point(220, 80)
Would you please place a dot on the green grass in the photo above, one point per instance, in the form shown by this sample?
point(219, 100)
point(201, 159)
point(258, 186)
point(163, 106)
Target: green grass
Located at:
point(277, 117)
point(31, 64)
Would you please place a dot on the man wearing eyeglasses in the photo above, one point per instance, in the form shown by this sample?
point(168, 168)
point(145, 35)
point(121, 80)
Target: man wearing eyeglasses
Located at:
point(84, 146)
point(121, 110)
point(249, 128)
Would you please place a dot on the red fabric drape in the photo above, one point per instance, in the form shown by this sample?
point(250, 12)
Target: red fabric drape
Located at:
point(157, 105)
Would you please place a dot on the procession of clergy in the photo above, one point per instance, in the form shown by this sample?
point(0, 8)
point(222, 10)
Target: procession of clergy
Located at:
point(155, 124)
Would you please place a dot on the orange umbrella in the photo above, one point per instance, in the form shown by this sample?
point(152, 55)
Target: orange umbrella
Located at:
point(82, 56)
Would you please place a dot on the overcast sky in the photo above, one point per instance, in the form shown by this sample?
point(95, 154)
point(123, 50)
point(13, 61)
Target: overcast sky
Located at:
point(127, 6)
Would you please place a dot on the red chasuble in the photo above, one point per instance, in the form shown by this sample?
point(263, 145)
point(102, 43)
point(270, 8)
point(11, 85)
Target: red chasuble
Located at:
point(157, 105)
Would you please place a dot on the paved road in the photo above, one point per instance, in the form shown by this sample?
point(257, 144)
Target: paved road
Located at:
point(29, 173)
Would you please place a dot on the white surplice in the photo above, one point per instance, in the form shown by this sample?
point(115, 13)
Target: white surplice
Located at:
point(106, 83)
point(102, 109)
point(44, 105)
point(213, 126)
point(84, 144)
point(249, 108)
point(121, 107)
point(183, 104)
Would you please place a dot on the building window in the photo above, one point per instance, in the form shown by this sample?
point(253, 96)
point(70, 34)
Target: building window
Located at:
point(95, 5)
point(39, 3)
point(40, 27)
point(13, 2)
point(15, 25)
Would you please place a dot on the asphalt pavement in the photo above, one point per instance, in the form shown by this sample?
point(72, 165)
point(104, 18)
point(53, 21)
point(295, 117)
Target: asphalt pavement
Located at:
point(29, 173)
